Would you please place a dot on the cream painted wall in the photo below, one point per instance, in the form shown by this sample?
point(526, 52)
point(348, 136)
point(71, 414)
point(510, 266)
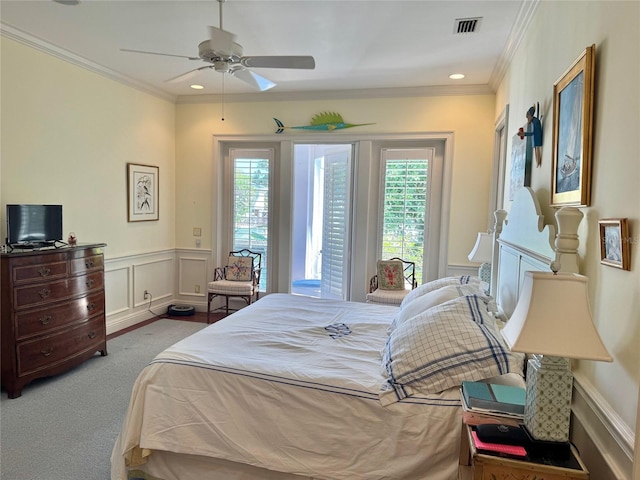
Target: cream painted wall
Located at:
point(559, 32)
point(67, 135)
point(469, 117)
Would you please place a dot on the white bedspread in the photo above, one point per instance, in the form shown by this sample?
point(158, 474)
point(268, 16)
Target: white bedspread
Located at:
point(291, 384)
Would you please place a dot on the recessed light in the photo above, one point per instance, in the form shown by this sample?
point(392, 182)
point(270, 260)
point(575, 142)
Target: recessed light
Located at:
point(196, 87)
point(456, 76)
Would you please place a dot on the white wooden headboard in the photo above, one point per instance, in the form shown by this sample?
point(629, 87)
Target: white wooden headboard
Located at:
point(523, 242)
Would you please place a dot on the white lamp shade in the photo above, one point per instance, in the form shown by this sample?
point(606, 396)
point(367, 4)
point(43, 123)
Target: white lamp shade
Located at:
point(483, 249)
point(553, 317)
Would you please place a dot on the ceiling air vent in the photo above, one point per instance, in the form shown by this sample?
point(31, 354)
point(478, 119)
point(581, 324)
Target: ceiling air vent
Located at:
point(466, 25)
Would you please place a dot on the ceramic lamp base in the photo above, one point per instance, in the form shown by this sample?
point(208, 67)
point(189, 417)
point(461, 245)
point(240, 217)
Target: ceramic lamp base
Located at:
point(547, 410)
point(484, 272)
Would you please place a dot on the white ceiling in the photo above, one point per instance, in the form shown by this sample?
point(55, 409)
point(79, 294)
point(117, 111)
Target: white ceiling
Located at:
point(357, 44)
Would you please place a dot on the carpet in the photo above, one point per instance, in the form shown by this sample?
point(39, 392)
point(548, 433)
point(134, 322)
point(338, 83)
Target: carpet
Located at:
point(64, 427)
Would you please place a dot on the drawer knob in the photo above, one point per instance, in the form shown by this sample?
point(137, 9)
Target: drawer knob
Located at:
point(90, 282)
point(91, 306)
point(44, 271)
point(92, 335)
point(44, 293)
point(88, 263)
point(46, 351)
point(45, 320)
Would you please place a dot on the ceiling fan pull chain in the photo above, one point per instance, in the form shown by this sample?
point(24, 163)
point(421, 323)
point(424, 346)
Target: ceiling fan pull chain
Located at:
point(223, 76)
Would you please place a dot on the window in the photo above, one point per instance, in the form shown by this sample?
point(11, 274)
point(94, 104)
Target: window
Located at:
point(404, 211)
point(250, 217)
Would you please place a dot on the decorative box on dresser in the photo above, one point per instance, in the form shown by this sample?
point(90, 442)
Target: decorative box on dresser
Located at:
point(53, 312)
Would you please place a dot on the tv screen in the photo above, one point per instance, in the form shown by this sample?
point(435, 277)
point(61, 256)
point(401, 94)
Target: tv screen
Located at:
point(34, 224)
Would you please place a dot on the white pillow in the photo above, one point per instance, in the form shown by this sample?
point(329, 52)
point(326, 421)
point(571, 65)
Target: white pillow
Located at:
point(428, 300)
point(439, 283)
point(443, 346)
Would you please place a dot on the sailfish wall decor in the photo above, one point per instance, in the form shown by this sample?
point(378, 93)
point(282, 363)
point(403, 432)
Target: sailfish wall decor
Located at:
point(326, 121)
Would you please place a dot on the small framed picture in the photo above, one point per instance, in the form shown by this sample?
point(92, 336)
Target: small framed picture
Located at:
point(142, 192)
point(614, 242)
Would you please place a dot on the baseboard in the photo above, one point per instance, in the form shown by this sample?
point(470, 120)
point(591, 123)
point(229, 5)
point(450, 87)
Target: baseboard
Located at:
point(605, 442)
point(133, 319)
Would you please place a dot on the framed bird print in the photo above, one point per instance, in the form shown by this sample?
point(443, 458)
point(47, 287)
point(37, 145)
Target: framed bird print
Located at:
point(573, 96)
point(142, 192)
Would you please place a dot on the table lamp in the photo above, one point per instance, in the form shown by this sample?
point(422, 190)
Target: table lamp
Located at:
point(482, 252)
point(552, 320)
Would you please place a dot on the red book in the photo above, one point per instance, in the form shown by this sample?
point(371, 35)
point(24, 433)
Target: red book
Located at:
point(515, 450)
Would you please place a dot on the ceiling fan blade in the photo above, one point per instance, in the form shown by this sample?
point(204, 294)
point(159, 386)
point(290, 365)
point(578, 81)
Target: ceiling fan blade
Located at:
point(156, 53)
point(286, 61)
point(187, 75)
point(253, 79)
point(221, 41)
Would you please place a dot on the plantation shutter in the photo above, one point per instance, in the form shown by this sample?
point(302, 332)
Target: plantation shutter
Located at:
point(335, 231)
point(251, 203)
point(406, 183)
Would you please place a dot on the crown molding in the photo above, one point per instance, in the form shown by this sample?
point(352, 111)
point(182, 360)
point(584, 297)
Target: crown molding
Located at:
point(24, 38)
point(519, 28)
point(435, 91)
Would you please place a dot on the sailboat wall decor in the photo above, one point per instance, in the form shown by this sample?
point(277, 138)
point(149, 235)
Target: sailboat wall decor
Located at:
point(573, 98)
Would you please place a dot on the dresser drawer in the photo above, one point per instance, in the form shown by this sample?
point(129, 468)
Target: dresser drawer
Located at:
point(45, 293)
point(57, 268)
point(87, 264)
point(44, 320)
point(46, 352)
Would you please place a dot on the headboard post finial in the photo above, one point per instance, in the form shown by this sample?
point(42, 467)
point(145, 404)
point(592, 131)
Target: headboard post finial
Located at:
point(500, 216)
point(567, 240)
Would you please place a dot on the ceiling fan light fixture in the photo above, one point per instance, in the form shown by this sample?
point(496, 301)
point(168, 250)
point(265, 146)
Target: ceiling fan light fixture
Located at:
point(456, 76)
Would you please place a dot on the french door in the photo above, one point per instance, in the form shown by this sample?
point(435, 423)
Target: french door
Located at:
point(322, 190)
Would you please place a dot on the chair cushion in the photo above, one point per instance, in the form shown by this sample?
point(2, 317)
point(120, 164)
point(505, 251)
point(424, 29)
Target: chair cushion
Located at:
point(390, 275)
point(230, 287)
point(239, 269)
point(387, 297)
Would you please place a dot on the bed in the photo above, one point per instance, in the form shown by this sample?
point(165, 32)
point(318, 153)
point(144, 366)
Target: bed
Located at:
point(293, 387)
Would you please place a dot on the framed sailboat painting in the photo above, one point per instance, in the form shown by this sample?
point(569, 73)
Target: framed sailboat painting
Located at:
point(573, 97)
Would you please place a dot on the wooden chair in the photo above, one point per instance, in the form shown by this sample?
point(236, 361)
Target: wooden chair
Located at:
point(393, 296)
point(239, 278)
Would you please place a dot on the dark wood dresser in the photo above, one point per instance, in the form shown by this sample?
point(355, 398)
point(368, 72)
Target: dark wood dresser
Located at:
point(53, 312)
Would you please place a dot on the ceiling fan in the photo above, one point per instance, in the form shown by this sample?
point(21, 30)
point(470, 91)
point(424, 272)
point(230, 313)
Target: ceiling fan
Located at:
point(225, 56)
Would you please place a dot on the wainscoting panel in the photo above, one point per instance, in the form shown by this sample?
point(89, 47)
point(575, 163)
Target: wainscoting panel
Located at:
point(605, 442)
point(126, 279)
point(194, 272)
point(154, 275)
point(117, 288)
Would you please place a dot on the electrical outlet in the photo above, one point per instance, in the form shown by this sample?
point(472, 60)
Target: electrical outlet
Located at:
point(197, 288)
point(146, 294)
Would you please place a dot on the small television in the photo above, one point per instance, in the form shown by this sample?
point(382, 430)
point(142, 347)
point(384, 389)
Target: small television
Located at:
point(34, 225)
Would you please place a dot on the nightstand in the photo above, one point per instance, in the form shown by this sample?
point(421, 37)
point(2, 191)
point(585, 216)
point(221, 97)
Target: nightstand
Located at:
point(483, 466)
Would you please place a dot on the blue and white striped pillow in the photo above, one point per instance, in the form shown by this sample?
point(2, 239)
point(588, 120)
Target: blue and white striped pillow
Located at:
point(442, 346)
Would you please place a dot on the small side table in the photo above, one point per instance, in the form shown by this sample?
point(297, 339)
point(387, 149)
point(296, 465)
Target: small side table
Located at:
point(484, 466)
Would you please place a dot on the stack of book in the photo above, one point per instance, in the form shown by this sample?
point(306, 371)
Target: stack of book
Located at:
point(496, 413)
point(492, 403)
